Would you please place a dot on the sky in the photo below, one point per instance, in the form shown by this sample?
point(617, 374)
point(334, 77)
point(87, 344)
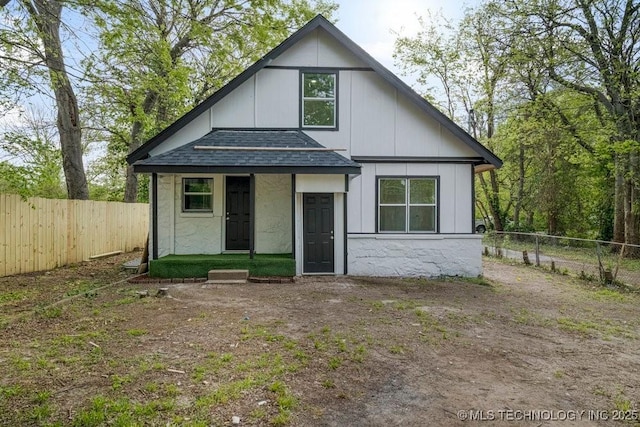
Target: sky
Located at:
point(371, 23)
point(375, 25)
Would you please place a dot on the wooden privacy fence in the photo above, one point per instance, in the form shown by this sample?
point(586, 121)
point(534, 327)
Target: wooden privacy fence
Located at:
point(40, 234)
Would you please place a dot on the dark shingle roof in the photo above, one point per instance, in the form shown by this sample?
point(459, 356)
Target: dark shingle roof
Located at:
point(188, 158)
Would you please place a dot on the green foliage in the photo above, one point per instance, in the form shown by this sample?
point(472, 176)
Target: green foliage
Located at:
point(35, 166)
point(520, 68)
point(158, 59)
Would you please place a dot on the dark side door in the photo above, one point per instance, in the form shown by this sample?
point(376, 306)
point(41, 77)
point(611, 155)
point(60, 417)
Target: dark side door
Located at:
point(238, 213)
point(318, 233)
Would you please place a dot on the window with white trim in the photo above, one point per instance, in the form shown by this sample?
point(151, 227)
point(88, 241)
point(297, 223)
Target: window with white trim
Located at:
point(407, 205)
point(319, 100)
point(197, 194)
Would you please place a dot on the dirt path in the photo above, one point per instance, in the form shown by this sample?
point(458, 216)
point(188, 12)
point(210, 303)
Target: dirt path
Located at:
point(337, 351)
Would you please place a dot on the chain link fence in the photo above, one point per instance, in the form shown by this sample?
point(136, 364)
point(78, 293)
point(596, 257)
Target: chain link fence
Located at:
point(609, 263)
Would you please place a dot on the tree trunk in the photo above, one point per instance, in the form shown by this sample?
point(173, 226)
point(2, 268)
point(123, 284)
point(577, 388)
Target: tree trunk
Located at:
point(131, 184)
point(520, 193)
point(619, 208)
point(46, 15)
point(493, 199)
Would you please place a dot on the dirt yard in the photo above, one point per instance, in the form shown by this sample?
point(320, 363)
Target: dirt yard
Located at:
point(521, 345)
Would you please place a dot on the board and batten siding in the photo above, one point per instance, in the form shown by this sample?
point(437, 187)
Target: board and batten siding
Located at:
point(455, 198)
point(184, 233)
point(374, 119)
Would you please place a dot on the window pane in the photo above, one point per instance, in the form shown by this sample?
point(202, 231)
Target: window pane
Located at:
point(197, 202)
point(423, 191)
point(319, 113)
point(197, 185)
point(393, 191)
point(319, 85)
point(393, 218)
point(422, 218)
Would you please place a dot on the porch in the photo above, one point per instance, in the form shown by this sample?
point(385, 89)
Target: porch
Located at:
point(251, 191)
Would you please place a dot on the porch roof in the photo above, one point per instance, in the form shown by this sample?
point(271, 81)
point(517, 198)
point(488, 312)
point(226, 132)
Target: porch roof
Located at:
point(250, 151)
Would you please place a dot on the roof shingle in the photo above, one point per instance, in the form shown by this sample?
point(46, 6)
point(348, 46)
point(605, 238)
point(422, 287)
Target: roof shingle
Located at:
point(188, 158)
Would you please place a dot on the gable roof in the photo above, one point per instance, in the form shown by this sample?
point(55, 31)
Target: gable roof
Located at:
point(252, 151)
point(318, 22)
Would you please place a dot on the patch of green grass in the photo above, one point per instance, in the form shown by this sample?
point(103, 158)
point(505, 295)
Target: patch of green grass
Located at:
point(117, 381)
point(285, 402)
point(581, 326)
point(10, 391)
point(20, 364)
point(226, 392)
point(259, 331)
point(49, 312)
point(137, 332)
point(622, 403)
point(170, 390)
point(610, 295)
point(527, 317)
point(358, 353)
point(328, 383)
point(377, 305)
point(199, 265)
point(406, 304)
point(13, 296)
point(397, 349)
point(81, 286)
point(334, 363)
point(258, 414)
point(121, 412)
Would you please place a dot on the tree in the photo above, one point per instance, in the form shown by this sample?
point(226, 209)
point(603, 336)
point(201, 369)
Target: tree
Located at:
point(593, 47)
point(471, 65)
point(158, 58)
point(44, 21)
point(35, 167)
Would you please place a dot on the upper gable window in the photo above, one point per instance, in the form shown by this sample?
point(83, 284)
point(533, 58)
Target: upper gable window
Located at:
point(319, 100)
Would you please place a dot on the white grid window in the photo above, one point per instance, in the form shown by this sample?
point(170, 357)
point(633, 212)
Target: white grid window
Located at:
point(407, 205)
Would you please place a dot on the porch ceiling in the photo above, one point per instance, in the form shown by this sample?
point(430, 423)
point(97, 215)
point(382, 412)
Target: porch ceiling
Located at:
point(251, 151)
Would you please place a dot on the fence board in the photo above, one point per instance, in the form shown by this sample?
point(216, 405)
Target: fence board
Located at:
point(3, 245)
point(40, 234)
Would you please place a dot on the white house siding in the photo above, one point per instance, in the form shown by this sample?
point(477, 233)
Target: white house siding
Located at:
point(374, 119)
point(454, 251)
point(273, 214)
point(183, 233)
point(277, 98)
point(200, 126)
point(455, 198)
point(318, 49)
point(424, 255)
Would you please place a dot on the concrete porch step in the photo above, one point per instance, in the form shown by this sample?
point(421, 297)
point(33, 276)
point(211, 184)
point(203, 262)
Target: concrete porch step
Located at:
point(227, 276)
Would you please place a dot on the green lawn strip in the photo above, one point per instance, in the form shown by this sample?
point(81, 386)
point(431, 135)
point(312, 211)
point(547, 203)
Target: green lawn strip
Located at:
point(172, 266)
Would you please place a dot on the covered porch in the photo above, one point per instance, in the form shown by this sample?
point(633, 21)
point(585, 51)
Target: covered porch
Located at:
point(251, 193)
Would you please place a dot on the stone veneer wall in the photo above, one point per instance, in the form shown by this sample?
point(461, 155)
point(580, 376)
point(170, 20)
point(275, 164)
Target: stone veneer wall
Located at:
point(415, 255)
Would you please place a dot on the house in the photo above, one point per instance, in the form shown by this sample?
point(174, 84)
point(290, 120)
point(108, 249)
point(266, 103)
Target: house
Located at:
point(319, 151)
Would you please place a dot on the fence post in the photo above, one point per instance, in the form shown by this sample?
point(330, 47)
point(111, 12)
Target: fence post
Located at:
point(537, 251)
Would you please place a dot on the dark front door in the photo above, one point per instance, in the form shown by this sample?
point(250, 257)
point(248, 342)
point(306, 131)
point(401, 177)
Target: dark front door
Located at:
point(318, 233)
point(238, 213)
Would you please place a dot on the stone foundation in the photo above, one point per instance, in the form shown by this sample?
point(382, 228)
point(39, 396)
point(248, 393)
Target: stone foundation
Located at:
point(431, 255)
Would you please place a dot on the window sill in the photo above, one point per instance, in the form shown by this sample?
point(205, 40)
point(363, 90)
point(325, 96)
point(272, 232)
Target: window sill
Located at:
point(196, 215)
